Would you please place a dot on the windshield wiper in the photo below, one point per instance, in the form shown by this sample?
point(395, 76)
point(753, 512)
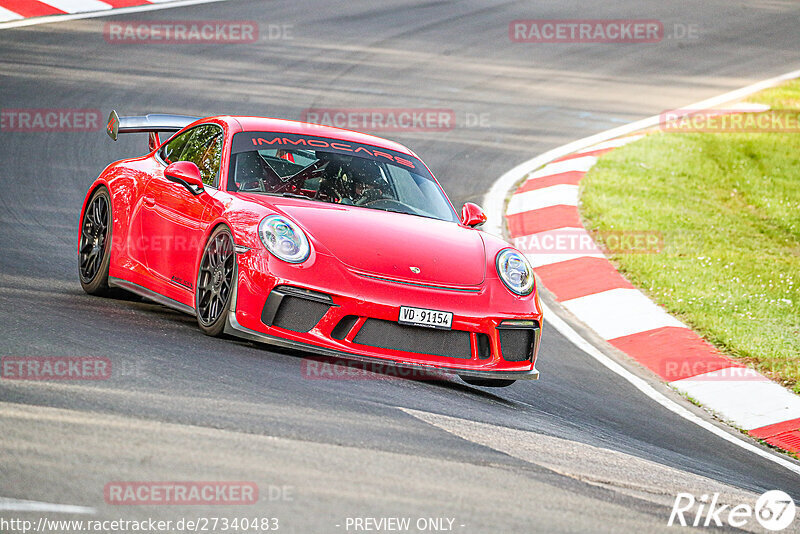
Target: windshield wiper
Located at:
point(293, 195)
point(390, 210)
point(414, 213)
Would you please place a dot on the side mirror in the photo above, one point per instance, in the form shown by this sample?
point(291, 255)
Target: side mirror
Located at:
point(472, 215)
point(187, 174)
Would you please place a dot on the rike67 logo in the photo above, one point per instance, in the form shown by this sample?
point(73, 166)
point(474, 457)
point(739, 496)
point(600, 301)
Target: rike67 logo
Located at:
point(774, 510)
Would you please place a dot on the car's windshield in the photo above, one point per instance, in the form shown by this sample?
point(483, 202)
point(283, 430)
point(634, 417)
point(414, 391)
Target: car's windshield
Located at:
point(332, 171)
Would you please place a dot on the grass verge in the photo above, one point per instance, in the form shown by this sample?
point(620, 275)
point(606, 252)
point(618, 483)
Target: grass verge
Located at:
point(728, 208)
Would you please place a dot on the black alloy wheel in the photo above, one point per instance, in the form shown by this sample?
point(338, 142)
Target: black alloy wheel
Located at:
point(215, 281)
point(94, 244)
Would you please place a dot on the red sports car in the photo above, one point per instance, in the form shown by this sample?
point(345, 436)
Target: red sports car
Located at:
point(310, 237)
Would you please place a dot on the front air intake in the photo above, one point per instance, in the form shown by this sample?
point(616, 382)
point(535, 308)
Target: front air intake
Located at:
point(295, 309)
point(517, 340)
point(395, 336)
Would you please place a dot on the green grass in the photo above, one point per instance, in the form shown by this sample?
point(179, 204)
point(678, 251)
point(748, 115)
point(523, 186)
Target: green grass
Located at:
point(728, 207)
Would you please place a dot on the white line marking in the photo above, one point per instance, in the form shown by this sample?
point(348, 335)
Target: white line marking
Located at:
point(77, 6)
point(494, 204)
point(5, 15)
point(614, 143)
point(742, 396)
point(620, 312)
point(19, 505)
point(733, 372)
point(752, 107)
point(107, 13)
point(555, 195)
point(571, 165)
point(494, 200)
point(540, 260)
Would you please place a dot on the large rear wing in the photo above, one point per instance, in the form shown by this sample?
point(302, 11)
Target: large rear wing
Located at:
point(152, 124)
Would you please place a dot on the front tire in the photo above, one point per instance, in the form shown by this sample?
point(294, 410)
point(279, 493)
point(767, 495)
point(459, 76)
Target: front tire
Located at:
point(94, 244)
point(486, 382)
point(215, 279)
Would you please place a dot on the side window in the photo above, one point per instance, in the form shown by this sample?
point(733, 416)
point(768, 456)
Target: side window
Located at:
point(209, 164)
point(172, 150)
point(204, 149)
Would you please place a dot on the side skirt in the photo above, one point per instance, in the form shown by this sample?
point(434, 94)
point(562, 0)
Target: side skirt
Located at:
point(150, 295)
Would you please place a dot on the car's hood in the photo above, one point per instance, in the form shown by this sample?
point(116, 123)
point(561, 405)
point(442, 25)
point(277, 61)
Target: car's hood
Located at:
point(394, 245)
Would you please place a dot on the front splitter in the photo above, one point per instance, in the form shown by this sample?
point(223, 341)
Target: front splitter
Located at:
point(233, 327)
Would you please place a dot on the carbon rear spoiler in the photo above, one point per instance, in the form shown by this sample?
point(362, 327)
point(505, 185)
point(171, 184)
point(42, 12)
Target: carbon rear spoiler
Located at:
point(152, 124)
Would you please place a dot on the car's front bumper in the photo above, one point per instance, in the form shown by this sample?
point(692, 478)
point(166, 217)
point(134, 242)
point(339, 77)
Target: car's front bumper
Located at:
point(233, 328)
point(477, 345)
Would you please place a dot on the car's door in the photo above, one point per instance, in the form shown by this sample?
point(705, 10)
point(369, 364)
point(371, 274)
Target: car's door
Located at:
point(140, 238)
point(173, 215)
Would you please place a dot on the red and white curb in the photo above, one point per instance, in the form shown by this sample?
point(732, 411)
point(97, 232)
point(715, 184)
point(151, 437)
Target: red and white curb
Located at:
point(588, 285)
point(16, 13)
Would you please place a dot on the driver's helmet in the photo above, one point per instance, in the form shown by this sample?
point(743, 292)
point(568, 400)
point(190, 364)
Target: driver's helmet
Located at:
point(365, 172)
point(350, 178)
point(331, 183)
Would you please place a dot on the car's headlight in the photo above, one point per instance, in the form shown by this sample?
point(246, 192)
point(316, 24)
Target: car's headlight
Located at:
point(515, 271)
point(284, 239)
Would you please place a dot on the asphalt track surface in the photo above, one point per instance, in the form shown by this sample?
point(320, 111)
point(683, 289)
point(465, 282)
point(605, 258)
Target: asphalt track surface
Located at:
point(579, 450)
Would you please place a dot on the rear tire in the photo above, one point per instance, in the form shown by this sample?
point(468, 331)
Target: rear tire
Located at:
point(486, 382)
point(215, 278)
point(94, 244)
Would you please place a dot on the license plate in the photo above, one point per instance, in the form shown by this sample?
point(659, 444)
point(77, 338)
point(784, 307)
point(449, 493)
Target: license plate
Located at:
point(426, 318)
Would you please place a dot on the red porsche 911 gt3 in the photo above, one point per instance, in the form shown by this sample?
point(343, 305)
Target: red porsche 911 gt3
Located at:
point(309, 237)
